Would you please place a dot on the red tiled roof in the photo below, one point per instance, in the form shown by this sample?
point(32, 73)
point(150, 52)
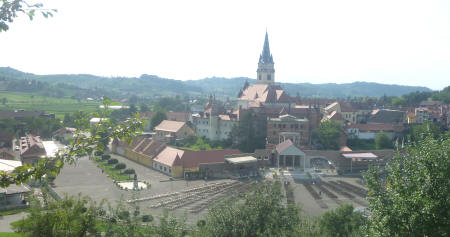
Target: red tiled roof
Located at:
point(284, 145)
point(192, 159)
point(335, 116)
point(264, 93)
point(170, 126)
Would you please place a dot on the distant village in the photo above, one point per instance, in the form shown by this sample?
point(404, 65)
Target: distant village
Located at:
point(278, 133)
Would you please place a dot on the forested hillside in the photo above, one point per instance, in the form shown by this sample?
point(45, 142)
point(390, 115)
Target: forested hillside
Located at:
point(150, 86)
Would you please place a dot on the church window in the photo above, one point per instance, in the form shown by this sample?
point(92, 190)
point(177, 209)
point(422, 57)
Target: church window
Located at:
point(269, 77)
point(259, 77)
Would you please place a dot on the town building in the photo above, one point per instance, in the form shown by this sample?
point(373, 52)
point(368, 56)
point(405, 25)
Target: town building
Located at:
point(64, 134)
point(264, 92)
point(394, 117)
point(215, 123)
point(180, 163)
point(142, 150)
point(171, 131)
point(288, 127)
point(31, 149)
point(370, 131)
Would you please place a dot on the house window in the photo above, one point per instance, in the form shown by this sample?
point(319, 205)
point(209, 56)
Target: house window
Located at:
point(160, 167)
point(284, 125)
point(170, 170)
point(164, 169)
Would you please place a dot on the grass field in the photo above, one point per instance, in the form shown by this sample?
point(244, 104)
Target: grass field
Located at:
point(111, 171)
point(9, 234)
point(59, 106)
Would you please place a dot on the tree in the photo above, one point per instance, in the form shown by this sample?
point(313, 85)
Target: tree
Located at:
point(328, 133)
point(157, 118)
point(69, 217)
point(133, 100)
point(144, 108)
point(382, 141)
point(249, 134)
point(81, 145)
point(341, 222)
point(9, 10)
point(410, 196)
point(120, 166)
point(260, 214)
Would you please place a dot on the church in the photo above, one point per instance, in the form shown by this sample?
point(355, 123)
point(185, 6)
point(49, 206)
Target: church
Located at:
point(284, 116)
point(264, 92)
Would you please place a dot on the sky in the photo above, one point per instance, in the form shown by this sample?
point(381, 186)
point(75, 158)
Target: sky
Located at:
point(321, 41)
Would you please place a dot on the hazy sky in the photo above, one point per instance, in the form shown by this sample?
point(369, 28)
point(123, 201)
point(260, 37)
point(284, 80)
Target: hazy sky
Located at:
point(394, 42)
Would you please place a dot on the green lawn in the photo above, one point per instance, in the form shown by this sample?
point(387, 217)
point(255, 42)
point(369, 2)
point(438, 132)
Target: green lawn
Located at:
point(59, 106)
point(11, 212)
point(109, 169)
point(10, 234)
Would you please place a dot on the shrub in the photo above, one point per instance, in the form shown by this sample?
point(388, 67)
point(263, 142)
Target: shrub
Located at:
point(129, 171)
point(120, 166)
point(98, 153)
point(106, 157)
point(113, 161)
point(147, 218)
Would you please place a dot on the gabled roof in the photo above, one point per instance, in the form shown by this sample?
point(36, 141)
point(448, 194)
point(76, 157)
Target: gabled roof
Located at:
point(386, 116)
point(335, 116)
point(191, 159)
point(288, 148)
point(170, 126)
point(264, 93)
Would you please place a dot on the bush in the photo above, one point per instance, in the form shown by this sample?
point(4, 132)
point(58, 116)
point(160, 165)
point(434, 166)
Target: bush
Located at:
point(98, 153)
point(147, 218)
point(106, 157)
point(120, 166)
point(129, 171)
point(112, 161)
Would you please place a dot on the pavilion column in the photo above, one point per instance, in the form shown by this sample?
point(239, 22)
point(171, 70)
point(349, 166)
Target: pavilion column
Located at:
point(284, 161)
point(293, 162)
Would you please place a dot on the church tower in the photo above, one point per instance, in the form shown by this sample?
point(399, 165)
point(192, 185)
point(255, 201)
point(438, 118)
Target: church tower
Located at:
point(266, 71)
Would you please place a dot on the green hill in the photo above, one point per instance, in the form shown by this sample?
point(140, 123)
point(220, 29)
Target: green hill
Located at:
point(151, 86)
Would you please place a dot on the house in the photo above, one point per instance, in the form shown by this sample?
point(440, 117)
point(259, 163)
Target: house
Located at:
point(170, 115)
point(370, 131)
point(31, 149)
point(142, 150)
point(394, 117)
point(334, 116)
point(215, 123)
point(64, 134)
point(288, 127)
point(180, 163)
point(170, 131)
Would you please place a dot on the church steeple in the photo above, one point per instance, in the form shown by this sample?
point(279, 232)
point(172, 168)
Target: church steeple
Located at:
point(265, 56)
point(266, 71)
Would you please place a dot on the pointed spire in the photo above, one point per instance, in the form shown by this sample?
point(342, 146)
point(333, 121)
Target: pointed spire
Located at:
point(266, 57)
